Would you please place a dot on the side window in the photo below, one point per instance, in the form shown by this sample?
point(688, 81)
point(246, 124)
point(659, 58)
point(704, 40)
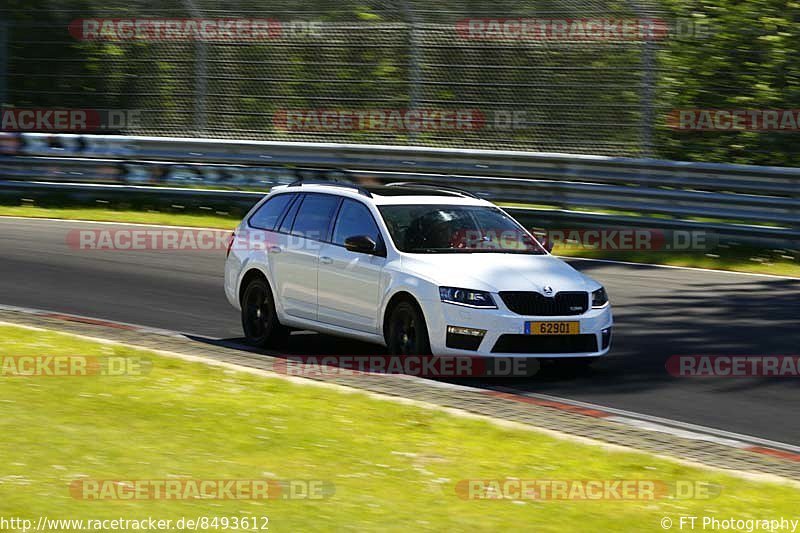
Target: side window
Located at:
point(315, 215)
point(288, 220)
point(268, 214)
point(355, 219)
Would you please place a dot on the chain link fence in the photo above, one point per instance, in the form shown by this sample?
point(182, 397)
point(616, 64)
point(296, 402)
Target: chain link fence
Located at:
point(435, 72)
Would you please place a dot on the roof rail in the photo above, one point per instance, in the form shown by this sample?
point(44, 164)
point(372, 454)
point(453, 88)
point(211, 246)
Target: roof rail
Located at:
point(344, 184)
point(410, 184)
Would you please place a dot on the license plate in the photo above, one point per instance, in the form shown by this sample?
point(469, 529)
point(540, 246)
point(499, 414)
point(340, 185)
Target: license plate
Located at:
point(552, 328)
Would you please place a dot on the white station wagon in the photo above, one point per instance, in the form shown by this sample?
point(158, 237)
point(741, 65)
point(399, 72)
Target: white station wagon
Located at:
point(418, 268)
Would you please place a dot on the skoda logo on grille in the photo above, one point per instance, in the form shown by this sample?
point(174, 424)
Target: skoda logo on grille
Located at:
point(548, 290)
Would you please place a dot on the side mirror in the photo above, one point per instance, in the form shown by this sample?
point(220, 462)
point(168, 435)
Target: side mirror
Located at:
point(361, 244)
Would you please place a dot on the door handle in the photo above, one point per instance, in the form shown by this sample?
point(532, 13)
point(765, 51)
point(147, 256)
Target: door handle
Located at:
point(325, 260)
point(275, 249)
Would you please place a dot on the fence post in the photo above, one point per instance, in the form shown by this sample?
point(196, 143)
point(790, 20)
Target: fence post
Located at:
point(3, 62)
point(414, 70)
point(648, 95)
point(200, 74)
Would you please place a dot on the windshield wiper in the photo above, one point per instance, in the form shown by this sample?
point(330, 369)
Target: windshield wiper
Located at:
point(431, 250)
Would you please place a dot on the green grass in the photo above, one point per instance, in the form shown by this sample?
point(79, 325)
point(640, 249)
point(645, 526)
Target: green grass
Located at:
point(394, 466)
point(167, 218)
point(737, 259)
point(734, 258)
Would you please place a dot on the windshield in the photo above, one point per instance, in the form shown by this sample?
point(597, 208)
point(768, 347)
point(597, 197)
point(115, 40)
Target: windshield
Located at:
point(428, 229)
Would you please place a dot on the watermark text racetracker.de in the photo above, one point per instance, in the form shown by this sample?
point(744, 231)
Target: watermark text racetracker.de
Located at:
point(200, 489)
point(585, 489)
point(630, 239)
point(192, 29)
point(734, 366)
point(412, 120)
point(68, 120)
point(610, 239)
point(43, 366)
point(578, 29)
point(721, 120)
point(185, 239)
point(429, 366)
point(131, 239)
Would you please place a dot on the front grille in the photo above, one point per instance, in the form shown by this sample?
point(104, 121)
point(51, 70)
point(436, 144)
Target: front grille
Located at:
point(536, 344)
point(535, 304)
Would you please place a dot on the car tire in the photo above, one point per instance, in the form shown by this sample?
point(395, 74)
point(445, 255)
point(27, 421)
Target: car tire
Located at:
point(407, 333)
point(259, 318)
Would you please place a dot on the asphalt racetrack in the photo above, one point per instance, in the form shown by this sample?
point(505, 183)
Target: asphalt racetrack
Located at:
point(659, 312)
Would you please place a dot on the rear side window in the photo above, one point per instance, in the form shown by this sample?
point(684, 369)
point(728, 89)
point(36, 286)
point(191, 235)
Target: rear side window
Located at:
point(288, 219)
point(355, 219)
point(314, 217)
point(270, 212)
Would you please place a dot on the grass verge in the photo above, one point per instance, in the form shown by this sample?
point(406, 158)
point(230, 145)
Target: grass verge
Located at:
point(733, 258)
point(394, 466)
point(166, 218)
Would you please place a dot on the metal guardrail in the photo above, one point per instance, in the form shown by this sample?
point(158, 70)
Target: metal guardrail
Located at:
point(740, 201)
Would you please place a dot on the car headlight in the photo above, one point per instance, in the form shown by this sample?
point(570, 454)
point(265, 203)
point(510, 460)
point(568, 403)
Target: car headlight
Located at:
point(599, 298)
point(467, 297)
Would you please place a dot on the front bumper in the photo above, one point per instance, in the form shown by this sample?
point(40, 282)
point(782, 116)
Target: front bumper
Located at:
point(503, 323)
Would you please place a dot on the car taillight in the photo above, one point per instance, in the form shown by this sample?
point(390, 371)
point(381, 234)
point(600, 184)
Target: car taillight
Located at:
point(230, 244)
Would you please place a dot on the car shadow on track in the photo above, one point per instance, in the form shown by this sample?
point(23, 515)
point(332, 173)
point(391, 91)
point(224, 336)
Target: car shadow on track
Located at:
point(689, 313)
point(334, 351)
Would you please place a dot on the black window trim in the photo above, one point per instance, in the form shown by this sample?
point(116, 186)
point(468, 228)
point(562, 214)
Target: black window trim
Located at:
point(298, 200)
point(280, 215)
point(380, 250)
point(329, 232)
